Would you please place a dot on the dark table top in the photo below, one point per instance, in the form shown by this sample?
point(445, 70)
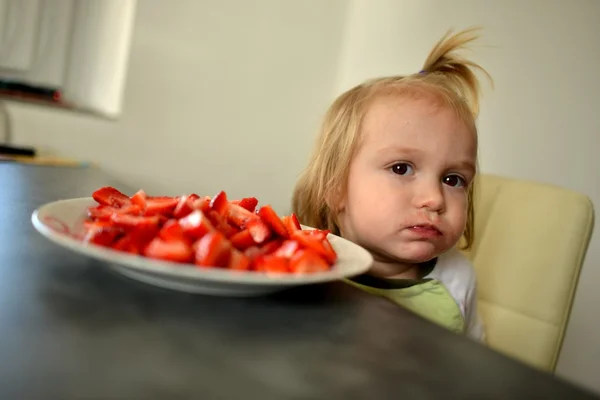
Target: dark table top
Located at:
point(71, 329)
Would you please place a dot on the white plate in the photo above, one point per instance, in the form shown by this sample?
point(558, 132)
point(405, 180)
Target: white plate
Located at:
point(62, 221)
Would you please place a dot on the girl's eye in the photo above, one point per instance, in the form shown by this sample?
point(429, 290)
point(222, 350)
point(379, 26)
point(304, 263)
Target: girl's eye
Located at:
point(454, 181)
point(402, 169)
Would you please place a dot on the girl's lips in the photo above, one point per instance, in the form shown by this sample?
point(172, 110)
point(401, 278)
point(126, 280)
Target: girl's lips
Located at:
point(425, 231)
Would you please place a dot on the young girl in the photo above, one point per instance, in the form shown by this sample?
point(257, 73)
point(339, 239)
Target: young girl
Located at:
point(393, 170)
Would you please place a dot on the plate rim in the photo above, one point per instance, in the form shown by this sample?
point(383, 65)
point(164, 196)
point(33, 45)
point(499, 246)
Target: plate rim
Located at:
point(190, 271)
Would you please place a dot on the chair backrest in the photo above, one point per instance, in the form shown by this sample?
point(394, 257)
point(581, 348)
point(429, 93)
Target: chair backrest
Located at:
point(530, 243)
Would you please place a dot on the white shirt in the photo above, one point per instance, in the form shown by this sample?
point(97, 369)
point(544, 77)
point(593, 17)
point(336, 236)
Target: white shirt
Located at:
point(457, 274)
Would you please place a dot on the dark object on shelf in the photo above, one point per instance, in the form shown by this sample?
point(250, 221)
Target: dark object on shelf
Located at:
point(17, 151)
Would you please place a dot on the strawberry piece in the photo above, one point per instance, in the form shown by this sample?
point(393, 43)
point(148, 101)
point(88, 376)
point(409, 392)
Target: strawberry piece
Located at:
point(249, 203)
point(330, 255)
point(213, 250)
point(171, 230)
point(127, 221)
point(258, 230)
point(221, 224)
point(196, 224)
point(238, 261)
point(242, 240)
point(185, 206)
point(291, 223)
point(270, 217)
point(127, 244)
point(287, 249)
point(160, 205)
point(272, 264)
point(170, 250)
point(105, 213)
point(307, 261)
point(110, 196)
point(239, 216)
point(101, 212)
point(202, 204)
point(315, 240)
point(139, 199)
point(219, 203)
point(254, 252)
point(102, 236)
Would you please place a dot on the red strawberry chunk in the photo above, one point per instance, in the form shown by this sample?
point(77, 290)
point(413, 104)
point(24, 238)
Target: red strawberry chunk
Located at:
point(170, 250)
point(185, 206)
point(272, 264)
point(171, 230)
point(242, 240)
point(239, 216)
point(102, 236)
point(110, 196)
point(249, 203)
point(202, 204)
point(213, 250)
point(139, 199)
point(196, 224)
point(307, 261)
point(238, 261)
point(270, 217)
point(258, 230)
point(219, 203)
point(134, 222)
point(287, 249)
point(161, 205)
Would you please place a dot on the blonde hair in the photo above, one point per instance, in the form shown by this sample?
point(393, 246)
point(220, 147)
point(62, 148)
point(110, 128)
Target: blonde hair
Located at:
point(445, 74)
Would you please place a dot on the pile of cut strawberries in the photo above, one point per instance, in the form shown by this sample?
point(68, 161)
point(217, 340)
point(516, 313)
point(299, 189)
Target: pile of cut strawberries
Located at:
point(206, 231)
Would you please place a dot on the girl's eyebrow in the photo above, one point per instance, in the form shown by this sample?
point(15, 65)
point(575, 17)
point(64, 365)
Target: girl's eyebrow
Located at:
point(400, 149)
point(466, 165)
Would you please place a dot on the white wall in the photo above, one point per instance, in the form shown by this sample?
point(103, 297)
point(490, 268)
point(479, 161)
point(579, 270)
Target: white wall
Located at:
point(228, 94)
point(542, 120)
point(219, 95)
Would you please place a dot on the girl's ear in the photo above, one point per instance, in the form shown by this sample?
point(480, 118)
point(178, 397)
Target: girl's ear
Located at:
point(336, 200)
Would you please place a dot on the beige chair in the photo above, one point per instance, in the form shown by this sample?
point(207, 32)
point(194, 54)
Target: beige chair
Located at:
point(530, 243)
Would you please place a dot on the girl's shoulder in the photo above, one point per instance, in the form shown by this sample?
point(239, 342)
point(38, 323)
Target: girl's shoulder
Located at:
point(455, 271)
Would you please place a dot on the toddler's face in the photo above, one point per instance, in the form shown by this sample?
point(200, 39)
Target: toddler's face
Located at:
point(406, 199)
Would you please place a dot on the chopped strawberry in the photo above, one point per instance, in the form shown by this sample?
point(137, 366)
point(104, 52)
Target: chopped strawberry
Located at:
point(171, 250)
point(291, 223)
point(238, 261)
point(315, 240)
point(287, 249)
point(139, 199)
point(171, 230)
point(134, 222)
point(239, 216)
point(329, 254)
point(196, 224)
point(110, 196)
point(242, 240)
point(272, 264)
point(127, 244)
point(221, 224)
point(270, 217)
point(258, 230)
point(101, 212)
point(219, 203)
point(202, 204)
point(102, 236)
point(307, 261)
point(160, 205)
point(185, 205)
point(249, 203)
point(213, 250)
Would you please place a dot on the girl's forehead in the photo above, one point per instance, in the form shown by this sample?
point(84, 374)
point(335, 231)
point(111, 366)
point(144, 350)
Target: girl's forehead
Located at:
point(421, 119)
